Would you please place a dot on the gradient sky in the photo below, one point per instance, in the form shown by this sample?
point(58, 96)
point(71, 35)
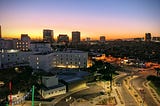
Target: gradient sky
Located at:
point(93, 18)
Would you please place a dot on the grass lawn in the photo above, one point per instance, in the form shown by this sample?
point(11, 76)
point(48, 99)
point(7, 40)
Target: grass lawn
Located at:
point(155, 88)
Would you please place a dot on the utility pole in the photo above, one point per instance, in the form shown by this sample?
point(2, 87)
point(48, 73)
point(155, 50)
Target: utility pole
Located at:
point(33, 95)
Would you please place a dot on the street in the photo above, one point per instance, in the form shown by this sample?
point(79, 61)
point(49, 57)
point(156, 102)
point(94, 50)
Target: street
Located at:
point(128, 99)
point(137, 83)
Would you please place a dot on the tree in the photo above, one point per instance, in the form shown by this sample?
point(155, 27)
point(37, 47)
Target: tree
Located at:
point(158, 71)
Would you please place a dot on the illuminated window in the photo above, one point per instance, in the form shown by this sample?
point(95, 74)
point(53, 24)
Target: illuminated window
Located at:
point(37, 58)
point(37, 62)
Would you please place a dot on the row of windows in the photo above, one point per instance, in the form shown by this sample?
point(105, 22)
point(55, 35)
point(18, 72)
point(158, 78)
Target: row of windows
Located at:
point(72, 55)
point(24, 46)
point(56, 91)
point(76, 63)
point(22, 43)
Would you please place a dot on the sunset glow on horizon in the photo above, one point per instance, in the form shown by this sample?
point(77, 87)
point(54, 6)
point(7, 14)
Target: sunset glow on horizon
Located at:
point(115, 19)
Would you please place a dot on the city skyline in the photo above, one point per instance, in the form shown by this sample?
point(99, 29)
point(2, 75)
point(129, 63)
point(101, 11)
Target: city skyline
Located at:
point(93, 18)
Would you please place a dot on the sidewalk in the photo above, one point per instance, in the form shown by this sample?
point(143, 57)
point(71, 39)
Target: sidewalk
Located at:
point(59, 98)
point(153, 93)
point(133, 92)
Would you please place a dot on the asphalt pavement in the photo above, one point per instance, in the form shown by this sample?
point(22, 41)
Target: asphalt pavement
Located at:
point(138, 85)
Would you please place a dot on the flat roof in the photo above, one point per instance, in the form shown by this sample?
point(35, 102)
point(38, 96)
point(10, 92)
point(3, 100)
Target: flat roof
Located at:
point(72, 76)
point(52, 87)
point(70, 51)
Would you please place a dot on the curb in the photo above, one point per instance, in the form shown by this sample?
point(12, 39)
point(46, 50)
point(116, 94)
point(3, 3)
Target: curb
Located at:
point(153, 93)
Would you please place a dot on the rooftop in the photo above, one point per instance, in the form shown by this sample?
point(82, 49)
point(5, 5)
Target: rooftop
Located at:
point(72, 76)
point(53, 87)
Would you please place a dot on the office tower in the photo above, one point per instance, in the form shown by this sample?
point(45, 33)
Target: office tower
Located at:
point(147, 36)
point(88, 39)
point(63, 38)
point(75, 37)
point(25, 37)
point(0, 32)
point(48, 35)
point(102, 39)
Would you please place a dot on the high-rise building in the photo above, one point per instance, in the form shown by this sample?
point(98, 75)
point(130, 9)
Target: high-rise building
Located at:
point(0, 32)
point(48, 35)
point(63, 38)
point(25, 37)
point(102, 38)
point(147, 36)
point(76, 37)
point(88, 39)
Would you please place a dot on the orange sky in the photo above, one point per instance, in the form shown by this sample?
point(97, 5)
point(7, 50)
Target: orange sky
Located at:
point(115, 20)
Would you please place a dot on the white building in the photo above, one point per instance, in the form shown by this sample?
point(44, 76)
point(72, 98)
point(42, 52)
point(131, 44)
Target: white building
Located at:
point(40, 47)
point(41, 61)
point(63, 59)
point(50, 81)
point(12, 58)
point(51, 87)
point(70, 59)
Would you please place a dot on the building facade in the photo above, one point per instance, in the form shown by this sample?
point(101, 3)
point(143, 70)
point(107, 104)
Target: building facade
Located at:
point(51, 87)
point(70, 59)
point(23, 44)
point(62, 38)
point(13, 58)
point(63, 59)
point(41, 61)
point(147, 36)
point(48, 35)
point(102, 39)
point(6, 44)
point(76, 37)
point(42, 47)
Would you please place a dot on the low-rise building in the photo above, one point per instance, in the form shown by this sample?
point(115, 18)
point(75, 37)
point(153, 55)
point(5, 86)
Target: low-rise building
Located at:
point(74, 80)
point(41, 47)
point(12, 58)
point(70, 59)
point(61, 59)
point(41, 61)
point(51, 87)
